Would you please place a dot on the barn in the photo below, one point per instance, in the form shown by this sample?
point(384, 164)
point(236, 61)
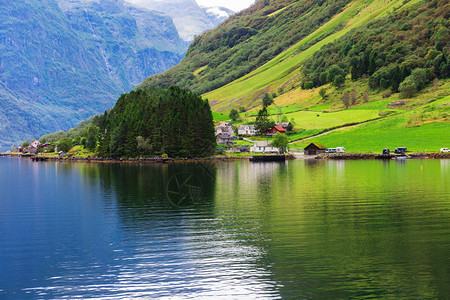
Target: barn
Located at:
point(314, 149)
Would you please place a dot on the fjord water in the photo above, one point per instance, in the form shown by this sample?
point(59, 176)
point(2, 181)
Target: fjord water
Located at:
point(305, 229)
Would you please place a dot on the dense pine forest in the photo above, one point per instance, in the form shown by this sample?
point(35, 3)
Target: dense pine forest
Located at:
point(157, 122)
point(168, 121)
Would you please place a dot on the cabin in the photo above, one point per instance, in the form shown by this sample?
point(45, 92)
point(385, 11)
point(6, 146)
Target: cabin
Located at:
point(263, 147)
point(274, 130)
point(247, 130)
point(314, 149)
point(286, 126)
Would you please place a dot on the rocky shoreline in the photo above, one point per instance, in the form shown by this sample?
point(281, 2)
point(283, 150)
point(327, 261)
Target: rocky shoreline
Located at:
point(355, 156)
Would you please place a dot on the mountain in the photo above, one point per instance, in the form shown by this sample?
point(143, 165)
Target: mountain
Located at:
point(374, 70)
point(189, 18)
point(218, 14)
point(269, 43)
point(246, 41)
point(63, 61)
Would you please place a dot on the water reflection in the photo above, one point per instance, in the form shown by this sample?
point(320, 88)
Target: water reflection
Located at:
point(304, 229)
point(181, 250)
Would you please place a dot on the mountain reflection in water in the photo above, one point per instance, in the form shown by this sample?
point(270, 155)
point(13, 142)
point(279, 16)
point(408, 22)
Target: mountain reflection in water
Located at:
point(301, 229)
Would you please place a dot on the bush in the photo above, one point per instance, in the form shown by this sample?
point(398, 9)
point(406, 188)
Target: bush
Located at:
point(280, 141)
point(339, 80)
point(408, 87)
point(267, 100)
point(234, 115)
point(346, 100)
point(323, 93)
point(420, 77)
point(65, 145)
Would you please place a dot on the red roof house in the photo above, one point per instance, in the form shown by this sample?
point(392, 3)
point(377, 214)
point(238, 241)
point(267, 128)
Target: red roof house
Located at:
point(275, 129)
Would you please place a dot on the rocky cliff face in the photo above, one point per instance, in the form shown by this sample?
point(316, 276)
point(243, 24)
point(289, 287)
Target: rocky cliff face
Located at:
point(64, 60)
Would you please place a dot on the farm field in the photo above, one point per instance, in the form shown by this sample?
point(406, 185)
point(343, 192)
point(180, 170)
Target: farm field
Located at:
point(390, 133)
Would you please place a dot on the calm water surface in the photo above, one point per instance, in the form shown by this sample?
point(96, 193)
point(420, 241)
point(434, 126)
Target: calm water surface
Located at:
point(299, 230)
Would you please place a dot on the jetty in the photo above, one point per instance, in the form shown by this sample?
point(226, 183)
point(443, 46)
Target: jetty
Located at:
point(267, 158)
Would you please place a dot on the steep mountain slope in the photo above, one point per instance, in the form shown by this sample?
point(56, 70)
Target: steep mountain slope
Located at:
point(63, 61)
point(264, 48)
point(245, 42)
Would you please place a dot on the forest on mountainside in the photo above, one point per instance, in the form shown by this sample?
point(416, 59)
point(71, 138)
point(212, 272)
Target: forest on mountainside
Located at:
point(404, 50)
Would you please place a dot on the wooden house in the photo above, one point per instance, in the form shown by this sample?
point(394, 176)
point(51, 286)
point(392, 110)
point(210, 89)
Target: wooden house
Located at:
point(247, 130)
point(263, 147)
point(36, 144)
point(223, 139)
point(314, 149)
point(224, 127)
point(286, 125)
point(274, 130)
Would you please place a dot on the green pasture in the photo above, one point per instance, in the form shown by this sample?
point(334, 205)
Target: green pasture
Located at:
point(220, 116)
point(387, 133)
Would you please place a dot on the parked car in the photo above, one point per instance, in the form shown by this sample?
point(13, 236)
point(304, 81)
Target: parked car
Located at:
point(386, 151)
point(335, 150)
point(400, 150)
point(445, 150)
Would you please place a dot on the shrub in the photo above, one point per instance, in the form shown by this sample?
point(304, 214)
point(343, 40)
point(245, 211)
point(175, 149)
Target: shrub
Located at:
point(323, 93)
point(408, 87)
point(267, 100)
point(346, 100)
point(65, 145)
point(339, 80)
point(234, 115)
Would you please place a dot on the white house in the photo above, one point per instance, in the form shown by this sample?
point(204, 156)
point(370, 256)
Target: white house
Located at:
point(36, 144)
point(263, 147)
point(247, 130)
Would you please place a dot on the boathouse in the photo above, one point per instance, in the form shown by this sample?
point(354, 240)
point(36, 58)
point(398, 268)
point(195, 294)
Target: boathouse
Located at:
point(314, 149)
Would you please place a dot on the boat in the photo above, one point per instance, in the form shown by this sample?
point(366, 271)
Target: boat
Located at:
point(401, 157)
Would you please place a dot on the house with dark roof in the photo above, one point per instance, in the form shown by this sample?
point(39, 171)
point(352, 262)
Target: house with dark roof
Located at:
point(224, 127)
point(224, 139)
point(274, 130)
point(314, 149)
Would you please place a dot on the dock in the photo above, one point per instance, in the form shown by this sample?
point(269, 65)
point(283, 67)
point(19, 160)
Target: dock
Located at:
point(267, 158)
